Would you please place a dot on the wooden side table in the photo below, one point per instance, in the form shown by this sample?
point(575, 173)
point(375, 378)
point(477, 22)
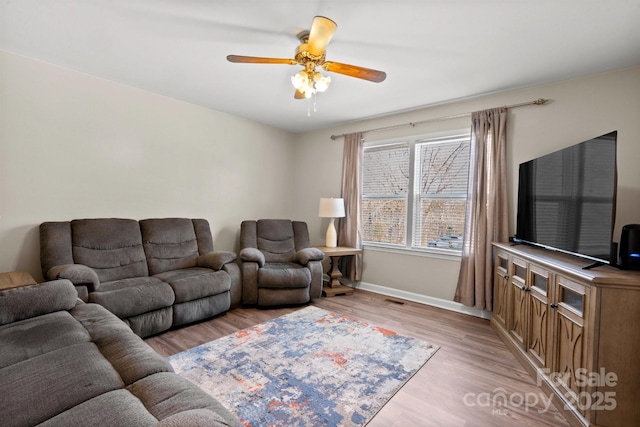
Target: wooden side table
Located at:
point(335, 287)
point(14, 279)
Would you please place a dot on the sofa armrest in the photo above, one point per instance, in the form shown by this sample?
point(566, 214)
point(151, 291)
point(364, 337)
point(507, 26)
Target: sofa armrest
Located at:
point(35, 300)
point(216, 260)
point(78, 274)
point(303, 256)
point(233, 270)
point(252, 255)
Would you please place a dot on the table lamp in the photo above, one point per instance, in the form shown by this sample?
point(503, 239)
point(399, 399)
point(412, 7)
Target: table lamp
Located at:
point(331, 208)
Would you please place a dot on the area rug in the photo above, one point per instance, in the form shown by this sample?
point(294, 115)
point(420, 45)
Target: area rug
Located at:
point(308, 368)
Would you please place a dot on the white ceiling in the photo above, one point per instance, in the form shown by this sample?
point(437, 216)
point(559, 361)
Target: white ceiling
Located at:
point(433, 51)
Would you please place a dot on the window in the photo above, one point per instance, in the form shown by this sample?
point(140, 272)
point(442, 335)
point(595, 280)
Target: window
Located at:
point(414, 192)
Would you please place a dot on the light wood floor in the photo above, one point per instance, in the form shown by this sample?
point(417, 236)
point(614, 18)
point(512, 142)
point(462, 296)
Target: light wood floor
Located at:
point(456, 386)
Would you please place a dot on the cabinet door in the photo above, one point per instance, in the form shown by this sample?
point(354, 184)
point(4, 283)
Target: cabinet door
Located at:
point(518, 301)
point(539, 330)
point(501, 288)
point(571, 301)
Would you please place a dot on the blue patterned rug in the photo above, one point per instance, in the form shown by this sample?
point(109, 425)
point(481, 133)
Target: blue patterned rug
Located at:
point(308, 368)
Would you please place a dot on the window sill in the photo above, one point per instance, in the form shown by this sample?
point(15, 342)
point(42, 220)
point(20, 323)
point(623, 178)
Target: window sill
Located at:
point(428, 253)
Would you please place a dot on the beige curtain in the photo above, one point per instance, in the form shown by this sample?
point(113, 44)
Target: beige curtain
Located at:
point(487, 209)
point(349, 233)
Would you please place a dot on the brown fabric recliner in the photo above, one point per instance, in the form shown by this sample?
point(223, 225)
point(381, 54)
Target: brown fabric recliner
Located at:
point(278, 265)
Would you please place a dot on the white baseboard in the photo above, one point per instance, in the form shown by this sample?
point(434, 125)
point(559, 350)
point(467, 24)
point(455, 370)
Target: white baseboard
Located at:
point(423, 299)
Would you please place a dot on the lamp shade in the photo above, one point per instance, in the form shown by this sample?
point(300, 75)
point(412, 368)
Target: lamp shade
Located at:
point(331, 208)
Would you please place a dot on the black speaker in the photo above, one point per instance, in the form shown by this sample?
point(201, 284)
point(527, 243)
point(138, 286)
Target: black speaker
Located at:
point(630, 247)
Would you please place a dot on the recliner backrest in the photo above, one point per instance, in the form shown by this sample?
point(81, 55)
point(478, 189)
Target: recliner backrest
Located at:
point(55, 245)
point(174, 243)
point(110, 246)
point(120, 248)
point(277, 239)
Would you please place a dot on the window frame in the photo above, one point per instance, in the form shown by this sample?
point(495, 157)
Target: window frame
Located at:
point(412, 197)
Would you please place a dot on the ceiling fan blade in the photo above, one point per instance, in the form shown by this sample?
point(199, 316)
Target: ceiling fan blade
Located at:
point(322, 30)
point(355, 71)
point(299, 95)
point(259, 60)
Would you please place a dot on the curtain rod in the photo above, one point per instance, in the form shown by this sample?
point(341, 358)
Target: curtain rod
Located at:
point(539, 101)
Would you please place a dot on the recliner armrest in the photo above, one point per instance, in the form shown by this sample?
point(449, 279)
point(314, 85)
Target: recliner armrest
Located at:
point(252, 255)
point(78, 274)
point(216, 260)
point(303, 256)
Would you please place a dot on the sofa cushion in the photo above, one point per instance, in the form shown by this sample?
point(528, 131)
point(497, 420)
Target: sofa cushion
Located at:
point(194, 283)
point(110, 246)
point(152, 322)
point(32, 337)
point(125, 351)
point(203, 308)
point(283, 296)
point(284, 275)
point(57, 381)
point(118, 408)
point(169, 244)
point(130, 297)
point(166, 395)
point(34, 300)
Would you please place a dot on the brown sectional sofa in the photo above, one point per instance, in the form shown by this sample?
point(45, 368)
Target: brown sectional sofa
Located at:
point(153, 273)
point(67, 363)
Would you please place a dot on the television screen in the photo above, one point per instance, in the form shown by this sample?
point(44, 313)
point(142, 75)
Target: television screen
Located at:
point(567, 199)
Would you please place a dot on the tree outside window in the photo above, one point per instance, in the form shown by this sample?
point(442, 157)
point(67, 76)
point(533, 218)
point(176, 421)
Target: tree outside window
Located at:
point(414, 193)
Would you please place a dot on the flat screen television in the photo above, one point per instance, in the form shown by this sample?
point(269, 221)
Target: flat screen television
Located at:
point(567, 200)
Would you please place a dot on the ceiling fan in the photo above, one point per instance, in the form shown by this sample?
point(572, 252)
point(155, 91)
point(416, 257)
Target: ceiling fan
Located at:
point(311, 55)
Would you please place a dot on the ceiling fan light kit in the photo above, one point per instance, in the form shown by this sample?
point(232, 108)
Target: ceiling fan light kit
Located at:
point(309, 81)
point(311, 55)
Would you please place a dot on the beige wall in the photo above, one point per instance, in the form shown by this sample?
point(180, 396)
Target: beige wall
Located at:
point(579, 109)
point(77, 146)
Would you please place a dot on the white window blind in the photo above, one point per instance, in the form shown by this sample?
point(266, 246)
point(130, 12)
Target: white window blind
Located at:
point(442, 172)
point(414, 193)
point(385, 193)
